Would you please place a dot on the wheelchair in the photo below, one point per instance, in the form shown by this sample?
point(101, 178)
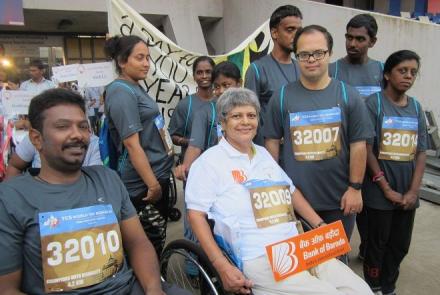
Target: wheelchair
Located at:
point(174, 260)
point(174, 213)
point(178, 253)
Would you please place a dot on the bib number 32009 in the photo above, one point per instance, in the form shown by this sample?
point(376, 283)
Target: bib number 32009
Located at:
point(271, 202)
point(316, 134)
point(80, 247)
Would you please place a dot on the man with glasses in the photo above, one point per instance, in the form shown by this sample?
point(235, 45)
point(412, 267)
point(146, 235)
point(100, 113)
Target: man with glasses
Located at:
point(325, 126)
point(270, 72)
point(356, 68)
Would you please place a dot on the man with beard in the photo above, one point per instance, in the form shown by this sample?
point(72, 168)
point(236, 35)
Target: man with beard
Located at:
point(356, 68)
point(68, 229)
point(267, 74)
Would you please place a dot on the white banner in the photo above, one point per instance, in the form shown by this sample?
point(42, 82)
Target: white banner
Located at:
point(65, 73)
point(87, 75)
point(170, 77)
point(96, 74)
point(16, 102)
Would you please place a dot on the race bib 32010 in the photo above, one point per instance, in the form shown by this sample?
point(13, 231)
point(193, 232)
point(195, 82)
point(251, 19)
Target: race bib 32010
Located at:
point(79, 247)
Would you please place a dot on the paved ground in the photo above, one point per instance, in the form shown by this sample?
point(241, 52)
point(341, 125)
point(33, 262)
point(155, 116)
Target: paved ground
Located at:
point(420, 271)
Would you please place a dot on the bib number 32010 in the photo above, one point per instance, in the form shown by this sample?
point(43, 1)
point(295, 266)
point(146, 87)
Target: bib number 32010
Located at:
point(74, 250)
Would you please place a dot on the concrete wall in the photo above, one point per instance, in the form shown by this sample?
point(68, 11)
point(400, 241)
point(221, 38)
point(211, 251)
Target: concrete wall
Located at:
point(182, 24)
point(236, 19)
point(394, 34)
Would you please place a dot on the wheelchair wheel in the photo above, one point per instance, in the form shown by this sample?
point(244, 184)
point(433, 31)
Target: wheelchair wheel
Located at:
point(174, 214)
point(174, 262)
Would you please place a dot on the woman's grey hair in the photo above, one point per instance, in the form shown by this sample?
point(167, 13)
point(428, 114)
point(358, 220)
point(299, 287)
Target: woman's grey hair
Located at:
point(234, 97)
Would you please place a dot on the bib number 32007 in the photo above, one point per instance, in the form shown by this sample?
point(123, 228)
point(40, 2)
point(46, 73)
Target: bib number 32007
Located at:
point(316, 134)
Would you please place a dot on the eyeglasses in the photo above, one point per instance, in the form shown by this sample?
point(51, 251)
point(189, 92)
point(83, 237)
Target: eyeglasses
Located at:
point(305, 56)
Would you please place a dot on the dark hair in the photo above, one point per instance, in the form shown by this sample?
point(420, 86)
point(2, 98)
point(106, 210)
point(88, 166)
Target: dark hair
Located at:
point(282, 12)
point(364, 20)
point(37, 63)
point(52, 98)
point(311, 29)
point(200, 59)
point(227, 69)
point(119, 48)
point(395, 59)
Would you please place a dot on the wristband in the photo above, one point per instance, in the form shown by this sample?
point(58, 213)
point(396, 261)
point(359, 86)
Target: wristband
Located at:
point(378, 176)
point(322, 222)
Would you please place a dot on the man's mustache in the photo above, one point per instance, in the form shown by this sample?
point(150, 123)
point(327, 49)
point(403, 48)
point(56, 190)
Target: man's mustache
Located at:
point(79, 144)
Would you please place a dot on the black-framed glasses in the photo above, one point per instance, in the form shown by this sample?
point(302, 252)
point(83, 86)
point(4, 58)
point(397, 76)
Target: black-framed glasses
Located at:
point(305, 56)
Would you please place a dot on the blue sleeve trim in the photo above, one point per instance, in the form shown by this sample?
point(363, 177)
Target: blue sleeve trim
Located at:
point(344, 93)
point(379, 104)
point(282, 103)
point(124, 85)
point(336, 70)
point(187, 115)
point(213, 114)
point(416, 105)
point(257, 72)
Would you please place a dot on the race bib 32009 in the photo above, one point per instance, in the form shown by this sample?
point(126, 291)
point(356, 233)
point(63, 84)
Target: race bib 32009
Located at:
point(271, 202)
point(79, 247)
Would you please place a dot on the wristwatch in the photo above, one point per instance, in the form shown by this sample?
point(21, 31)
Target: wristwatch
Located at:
point(356, 185)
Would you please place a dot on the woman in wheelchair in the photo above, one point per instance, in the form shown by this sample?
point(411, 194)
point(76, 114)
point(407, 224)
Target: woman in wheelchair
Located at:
point(226, 184)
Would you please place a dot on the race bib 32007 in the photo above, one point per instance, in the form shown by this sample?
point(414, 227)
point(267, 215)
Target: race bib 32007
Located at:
point(79, 247)
point(398, 138)
point(316, 134)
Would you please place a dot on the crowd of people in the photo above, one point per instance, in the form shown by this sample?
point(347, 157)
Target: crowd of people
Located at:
point(343, 140)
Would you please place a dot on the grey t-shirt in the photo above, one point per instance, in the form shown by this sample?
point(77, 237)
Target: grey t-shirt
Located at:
point(23, 198)
point(398, 173)
point(265, 76)
point(133, 111)
point(322, 182)
point(205, 129)
point(181, 121)
point(366, 78)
